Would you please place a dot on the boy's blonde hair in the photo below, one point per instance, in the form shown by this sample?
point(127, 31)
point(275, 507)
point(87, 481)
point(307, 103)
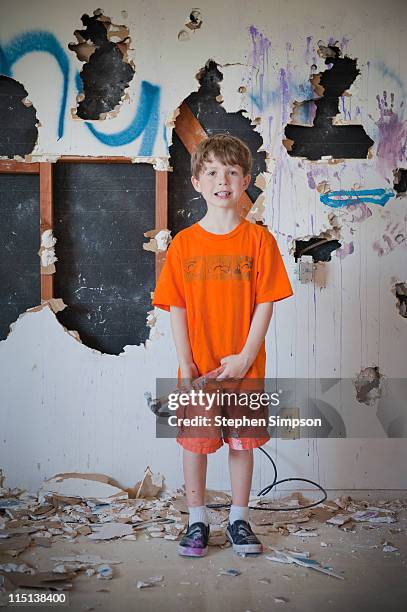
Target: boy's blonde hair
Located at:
point(227, 149)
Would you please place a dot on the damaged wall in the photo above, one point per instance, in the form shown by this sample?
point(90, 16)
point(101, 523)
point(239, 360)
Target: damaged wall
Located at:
point(86, 408)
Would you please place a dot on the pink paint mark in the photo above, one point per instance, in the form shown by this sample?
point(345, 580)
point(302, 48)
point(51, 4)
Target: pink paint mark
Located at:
point(392, 142)
point(345, 250)
point(361, 212)
point(392, 237)
point(311, 182)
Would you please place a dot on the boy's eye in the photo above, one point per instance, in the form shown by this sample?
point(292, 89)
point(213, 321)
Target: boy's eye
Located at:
point(211, 172)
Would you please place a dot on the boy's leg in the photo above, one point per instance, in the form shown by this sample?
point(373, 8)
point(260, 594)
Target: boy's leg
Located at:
point(239, 531)
point(195, 465)
point(195, 541)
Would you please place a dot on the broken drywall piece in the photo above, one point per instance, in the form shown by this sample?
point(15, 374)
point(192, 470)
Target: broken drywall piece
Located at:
point(81, 486)
point(159, 240)
point(47, 252)
point(149, 582)
point(85, 559)
point(104, 572)
point(14, 545)
point(107, 71)
point(150, 486)
point(109, 531)
point(151, 318)
point(284, 556)
point(39, 580)
point(48, 240)
point(324, 139)
point(55, 304)
point(368, 386)
point(17, 117)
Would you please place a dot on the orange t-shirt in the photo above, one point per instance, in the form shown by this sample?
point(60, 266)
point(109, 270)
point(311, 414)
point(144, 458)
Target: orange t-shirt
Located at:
point(219, 278)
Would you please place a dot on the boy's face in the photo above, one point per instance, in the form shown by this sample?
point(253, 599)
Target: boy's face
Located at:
point(220, 185)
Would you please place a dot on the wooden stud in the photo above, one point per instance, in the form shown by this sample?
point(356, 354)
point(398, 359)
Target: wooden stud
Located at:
point(191, 133)
point(46, 222)
point(161, 213)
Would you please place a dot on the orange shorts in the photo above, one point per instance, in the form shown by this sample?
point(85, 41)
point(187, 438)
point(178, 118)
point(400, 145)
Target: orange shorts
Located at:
point(202, 429)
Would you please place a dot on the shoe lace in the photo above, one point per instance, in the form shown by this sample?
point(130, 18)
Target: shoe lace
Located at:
point(195, 532)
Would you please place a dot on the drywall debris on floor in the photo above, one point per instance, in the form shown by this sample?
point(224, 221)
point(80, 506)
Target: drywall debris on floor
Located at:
point(400, 291)
point(285, 556)
point(107, 72)
point(18, 120)
point(96, 487)
point(93, 512)
point(327, 137)
point(159, 240)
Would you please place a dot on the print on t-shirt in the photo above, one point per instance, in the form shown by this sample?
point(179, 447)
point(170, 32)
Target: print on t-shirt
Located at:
point(218, 267)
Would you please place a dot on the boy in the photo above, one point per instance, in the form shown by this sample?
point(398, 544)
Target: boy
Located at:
point(219, 282)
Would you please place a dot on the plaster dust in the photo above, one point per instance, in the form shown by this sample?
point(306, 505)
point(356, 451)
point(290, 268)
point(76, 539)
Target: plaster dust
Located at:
point(373, 579)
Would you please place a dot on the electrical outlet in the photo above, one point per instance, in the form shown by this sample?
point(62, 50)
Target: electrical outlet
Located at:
point(287, 432)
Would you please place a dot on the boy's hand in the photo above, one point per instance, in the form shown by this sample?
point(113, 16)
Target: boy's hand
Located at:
point(235, 366)
point(188, 372)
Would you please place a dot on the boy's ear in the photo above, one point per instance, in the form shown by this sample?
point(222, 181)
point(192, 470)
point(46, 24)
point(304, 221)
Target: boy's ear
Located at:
point(195, 183)
point(246, 180)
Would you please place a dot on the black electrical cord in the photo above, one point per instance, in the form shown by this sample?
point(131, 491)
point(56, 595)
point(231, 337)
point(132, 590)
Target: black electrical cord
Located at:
point(276, 482)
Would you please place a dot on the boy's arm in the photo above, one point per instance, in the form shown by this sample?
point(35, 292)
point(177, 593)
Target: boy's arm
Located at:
point(236, 366)
point(179, 328)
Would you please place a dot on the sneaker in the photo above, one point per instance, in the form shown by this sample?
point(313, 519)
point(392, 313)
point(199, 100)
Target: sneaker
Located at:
point(195, 541)
point(242, 538)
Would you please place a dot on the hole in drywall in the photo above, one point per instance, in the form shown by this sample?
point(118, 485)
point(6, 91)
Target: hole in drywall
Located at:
point(103, 273)
point(107, 71)
point(368, 385)
point(400, 181)
point(195, 19)
point(320, 247)
point(207, 116)
point(401, 295)
point(20, 278)
point(18, 120)
point(324, 138)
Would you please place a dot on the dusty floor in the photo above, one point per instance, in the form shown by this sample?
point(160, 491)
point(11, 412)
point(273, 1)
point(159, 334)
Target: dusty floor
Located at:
point(373, 579)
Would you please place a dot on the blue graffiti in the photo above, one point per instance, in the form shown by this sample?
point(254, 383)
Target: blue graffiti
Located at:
point(337, 199)
point(37, 40)
point(145, 121)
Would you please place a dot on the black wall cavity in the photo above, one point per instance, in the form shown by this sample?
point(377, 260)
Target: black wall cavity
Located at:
point(18, 122)
point(324, 138)
point(185, 205)
point(319, 248)
point(106, 74)
point(103, 274)
point(400, 181)
point(20, 284)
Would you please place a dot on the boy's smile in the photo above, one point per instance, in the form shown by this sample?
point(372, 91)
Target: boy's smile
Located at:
point(221, 185)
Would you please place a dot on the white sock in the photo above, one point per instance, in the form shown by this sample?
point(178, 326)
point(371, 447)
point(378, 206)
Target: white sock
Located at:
point(238, 513)
point(198, 514)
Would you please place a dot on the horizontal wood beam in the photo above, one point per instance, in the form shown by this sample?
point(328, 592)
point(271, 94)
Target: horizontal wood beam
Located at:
point(11, 166)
